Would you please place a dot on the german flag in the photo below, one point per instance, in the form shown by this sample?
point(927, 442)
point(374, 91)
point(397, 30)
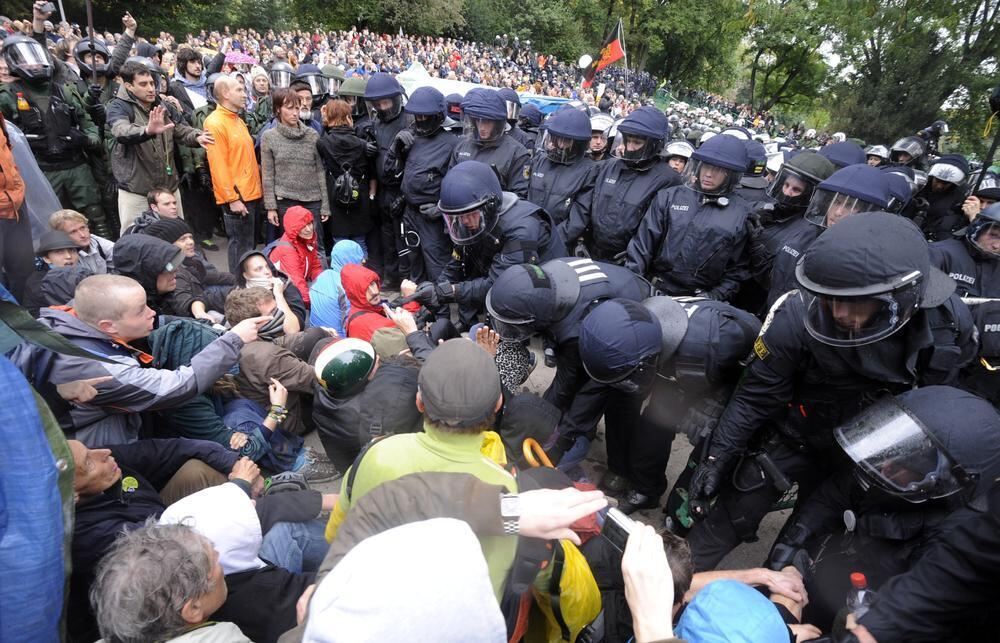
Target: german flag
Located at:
point(610, 52)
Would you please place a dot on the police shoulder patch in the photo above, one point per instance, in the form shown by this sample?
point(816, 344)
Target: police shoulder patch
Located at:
point(760, 349)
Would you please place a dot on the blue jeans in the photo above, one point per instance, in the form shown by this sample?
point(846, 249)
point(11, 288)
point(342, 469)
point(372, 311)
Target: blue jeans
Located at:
point(241, 230)
point(296, 546)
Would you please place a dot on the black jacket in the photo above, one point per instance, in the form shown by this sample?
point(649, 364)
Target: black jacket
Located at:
point(338, 148)
point(693, 246)
point(508, 158)
point(796, 239)
point(425, 166)
point(944, 213)
point(556, 186)
point(974, 274)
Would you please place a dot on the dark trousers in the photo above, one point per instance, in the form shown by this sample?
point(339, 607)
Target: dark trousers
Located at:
point(391, 239)
point(17, 257)
point(435, 246)
point(241, 229)
point(654, 437)
point(200, 212)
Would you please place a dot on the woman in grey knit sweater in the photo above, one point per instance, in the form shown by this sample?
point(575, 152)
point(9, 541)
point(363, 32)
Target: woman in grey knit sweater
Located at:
point(293, 173)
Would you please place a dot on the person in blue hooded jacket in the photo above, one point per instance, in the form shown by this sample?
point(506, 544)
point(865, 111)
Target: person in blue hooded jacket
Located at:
point(330, 306)
point(484, 115)
point(694, 238)
point(624, 187)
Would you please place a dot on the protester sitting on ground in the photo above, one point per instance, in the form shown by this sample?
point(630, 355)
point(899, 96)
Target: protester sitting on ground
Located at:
point(96, 253)
point(363, 289)
point(109, 313)
point(255, 269)
point(153, 263)
point(278, 356)
point(201, 289)
point(328, 302)
point(162, 583)
point(162, 205)
point(296, 253)
point(120, 487)
point(57, 272)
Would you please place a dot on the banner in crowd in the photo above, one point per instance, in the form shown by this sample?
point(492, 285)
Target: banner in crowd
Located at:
point(612, 51)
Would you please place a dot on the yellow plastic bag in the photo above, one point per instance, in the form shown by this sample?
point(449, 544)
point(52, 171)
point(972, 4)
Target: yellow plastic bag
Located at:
point(493, 448)
point(578, 600)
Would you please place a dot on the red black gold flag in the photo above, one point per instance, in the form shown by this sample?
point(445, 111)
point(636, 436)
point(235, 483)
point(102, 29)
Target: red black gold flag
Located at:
point(610, 52)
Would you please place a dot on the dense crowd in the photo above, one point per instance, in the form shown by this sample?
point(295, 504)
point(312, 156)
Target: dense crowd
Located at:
point(812, 312)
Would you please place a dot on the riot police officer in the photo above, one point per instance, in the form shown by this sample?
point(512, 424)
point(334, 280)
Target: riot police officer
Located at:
point(513, 103)
point(58, 127)
point(551, 300)
point(754, 181)
point(384, 97)
point(777, 219)
point(876, 155)
point(974, 260)
point(335, 77)
point(421, 154)
point(492, 230)
point(561, 173)
point(695, 346)
point(600, 124)
point(871, 315)
point(352, 92)
point(484, 116)
point(693, 239)
point(844, 153)
point(528, 121)
point(909, 150)
point(913, 466)
point(281, 75)
point(677, 154)
point(945, 192)
point(857, 188)
point(625, 185)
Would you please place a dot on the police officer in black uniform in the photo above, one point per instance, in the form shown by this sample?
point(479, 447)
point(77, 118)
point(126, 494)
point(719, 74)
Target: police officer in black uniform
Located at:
point(753, 184)
point(695, 346)
point(693, 239)
point(624, 187)
point(420, 156)
point(945, 192)
point(551, 300)
point(492, 231)
point(384, 97)
point(484, 115)
point(871, 315)
point(910, 151)
point(857, 188)
point(974, 260)
point(913, 466)
point(513, 103)
point(561, 173)
point(528, 121)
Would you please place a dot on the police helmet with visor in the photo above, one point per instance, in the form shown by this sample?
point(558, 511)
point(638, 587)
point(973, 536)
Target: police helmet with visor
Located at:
point(470, 202)
point(853, 189)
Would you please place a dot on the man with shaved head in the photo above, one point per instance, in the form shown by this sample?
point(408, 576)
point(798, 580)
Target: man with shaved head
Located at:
point(235, 175)
point(108, 313)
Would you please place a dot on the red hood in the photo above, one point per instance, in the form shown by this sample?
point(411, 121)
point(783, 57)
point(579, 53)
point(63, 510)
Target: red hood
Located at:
point(296, 218)
point(355, 280)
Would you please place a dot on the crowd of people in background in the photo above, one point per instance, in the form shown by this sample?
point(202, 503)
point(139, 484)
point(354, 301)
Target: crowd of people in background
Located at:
point(217, 245)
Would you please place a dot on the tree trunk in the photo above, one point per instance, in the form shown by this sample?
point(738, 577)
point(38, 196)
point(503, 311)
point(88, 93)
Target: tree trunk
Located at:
point(753, 75)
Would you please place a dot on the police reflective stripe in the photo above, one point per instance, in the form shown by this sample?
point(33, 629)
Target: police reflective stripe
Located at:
point(586, 270)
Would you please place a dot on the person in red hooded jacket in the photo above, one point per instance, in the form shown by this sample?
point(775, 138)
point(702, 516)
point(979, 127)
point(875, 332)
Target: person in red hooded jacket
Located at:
point(295, 254)
point(363, 289)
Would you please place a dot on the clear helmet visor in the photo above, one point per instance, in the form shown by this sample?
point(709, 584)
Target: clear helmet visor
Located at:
point(483, 130)
point(280, 78)
point(467, 228)
point(513, 110)
point(332, 85)
point(985, 236)
point(893, 450)
point(791, 189)
point(634, 148)
point(317, 84)
point(28, 57)
point(634, 380)
point(561, 149)
point(856, 321)
point(510, 330)
point(385, 109)
point(706, 178)
point(827, 208)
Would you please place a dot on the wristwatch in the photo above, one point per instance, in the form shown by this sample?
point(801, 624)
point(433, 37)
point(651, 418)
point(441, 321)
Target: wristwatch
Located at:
point(510, 513)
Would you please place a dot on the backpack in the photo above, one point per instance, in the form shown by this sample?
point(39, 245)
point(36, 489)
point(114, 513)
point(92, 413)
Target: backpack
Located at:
point(345, 190)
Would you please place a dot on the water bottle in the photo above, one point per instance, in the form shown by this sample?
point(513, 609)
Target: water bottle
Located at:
point(860, 598)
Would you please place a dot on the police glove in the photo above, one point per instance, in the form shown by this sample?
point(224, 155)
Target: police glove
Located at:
point(433, 295)
point(702, 418)
point(204, 178)
point(430, 211)
point(98, 114)
point(94, 95)
point(404, 140)
point(783, 555)
point(706, 481)
point(371, 150)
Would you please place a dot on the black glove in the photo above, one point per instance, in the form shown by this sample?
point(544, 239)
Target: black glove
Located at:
point(404, 140)
point(97, 114)
point(204, 178)
point(702, 418)
point(371, 150)
point(432, 295)
point(705, 484)
point(783, 555)
point(94, 95)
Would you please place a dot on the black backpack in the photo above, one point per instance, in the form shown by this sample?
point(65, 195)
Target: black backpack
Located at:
point(345, 190)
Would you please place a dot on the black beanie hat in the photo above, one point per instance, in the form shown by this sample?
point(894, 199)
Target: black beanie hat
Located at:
point(169, 230)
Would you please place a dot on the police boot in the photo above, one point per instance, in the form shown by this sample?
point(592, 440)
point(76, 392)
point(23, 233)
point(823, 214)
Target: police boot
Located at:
point(97, 221)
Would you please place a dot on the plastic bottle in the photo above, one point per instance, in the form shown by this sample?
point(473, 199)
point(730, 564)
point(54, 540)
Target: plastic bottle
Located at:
point(860, 598)
point(22, 104)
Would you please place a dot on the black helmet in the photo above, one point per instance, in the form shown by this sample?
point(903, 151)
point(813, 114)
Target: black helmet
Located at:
point(912, 447)
point(27, 59)
point(912, 147)
point(620, 344)
point(281, 75)
point(983, 234)
point(470, 201)
point(864, 278)
point(100, 49)
point(798, 177)
point(380, 87)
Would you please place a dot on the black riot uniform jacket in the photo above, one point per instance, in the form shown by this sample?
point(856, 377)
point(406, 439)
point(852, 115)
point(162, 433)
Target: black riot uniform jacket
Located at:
point(524, 233)
point(772, 227)
point(944, 213)
point(524, 137)
point(690, 244)
point(796, 239)
point(976, 275)
point(426, 164)
point(951, 592)
point(508, 158)
point(806, 388)
point(617, 204)
point(556, 186)
point(384, 135)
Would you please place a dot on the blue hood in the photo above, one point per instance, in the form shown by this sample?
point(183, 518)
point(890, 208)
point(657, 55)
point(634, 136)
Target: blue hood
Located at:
point(345, 252)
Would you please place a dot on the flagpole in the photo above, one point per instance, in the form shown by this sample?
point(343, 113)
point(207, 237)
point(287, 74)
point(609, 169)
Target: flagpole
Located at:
point(621, 34)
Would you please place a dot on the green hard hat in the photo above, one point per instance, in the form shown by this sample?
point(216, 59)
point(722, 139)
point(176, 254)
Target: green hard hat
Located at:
point(813, 165)
point(333, 71)
point(353, 86)
point(344, 366)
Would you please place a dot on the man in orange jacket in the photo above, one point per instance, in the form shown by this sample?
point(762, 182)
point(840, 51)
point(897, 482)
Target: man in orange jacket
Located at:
point(235, 175)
